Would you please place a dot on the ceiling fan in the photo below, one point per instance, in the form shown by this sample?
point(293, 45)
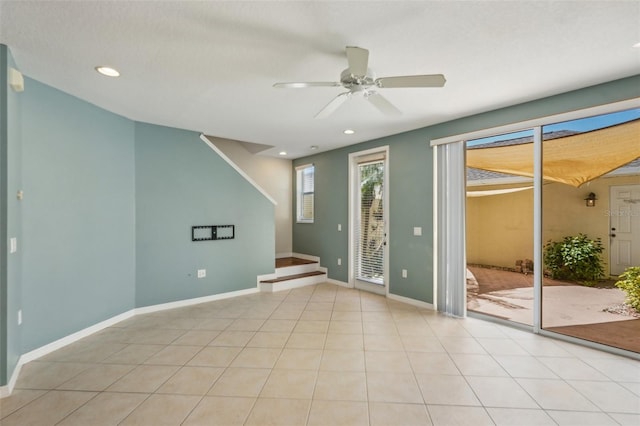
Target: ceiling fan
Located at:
point(359, 79)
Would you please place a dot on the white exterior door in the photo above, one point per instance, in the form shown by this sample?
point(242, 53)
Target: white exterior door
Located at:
point(369, 208)
point(624, 213)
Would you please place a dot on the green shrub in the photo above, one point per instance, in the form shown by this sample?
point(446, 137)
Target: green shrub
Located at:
point(629, 281)
point(575, 258)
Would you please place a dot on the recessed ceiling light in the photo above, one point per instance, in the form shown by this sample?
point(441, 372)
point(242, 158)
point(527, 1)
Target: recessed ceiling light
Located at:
point(313, 147)
point(108, 71)
point(283, 153)
point(349, 132)
point(637, 45)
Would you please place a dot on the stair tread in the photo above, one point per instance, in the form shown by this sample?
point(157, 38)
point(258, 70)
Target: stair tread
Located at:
point(284, 262)
point(294, 277)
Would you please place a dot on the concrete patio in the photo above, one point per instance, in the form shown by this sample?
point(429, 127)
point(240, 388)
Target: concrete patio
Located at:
point(567, 308)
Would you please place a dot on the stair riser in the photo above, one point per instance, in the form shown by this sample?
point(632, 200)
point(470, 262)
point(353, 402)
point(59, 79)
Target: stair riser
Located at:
point(298, 269)
point(289, 284)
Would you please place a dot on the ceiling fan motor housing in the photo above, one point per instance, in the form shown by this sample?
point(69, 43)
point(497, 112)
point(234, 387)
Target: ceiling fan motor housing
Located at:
point(360, 80)
point(357, 82)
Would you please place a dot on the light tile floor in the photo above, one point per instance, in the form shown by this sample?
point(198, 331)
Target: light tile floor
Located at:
point(321, 355)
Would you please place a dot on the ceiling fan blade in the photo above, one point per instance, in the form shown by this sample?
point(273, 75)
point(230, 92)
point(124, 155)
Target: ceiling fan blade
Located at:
point(301, 85)
point(358, 60)
point(333, 105)
point(383, 105)
point(433, 80)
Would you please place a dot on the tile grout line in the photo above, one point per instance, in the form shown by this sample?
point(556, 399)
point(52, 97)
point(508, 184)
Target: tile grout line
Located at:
point(319, 296)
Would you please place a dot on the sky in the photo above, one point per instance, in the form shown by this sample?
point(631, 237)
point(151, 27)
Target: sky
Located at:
point(581, 125)
point(597, 122)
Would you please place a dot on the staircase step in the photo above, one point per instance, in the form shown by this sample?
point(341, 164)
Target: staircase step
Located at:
point(283, 262)
point(289, 282)
point(293, 277)
point(287, 266)
point(293, 272)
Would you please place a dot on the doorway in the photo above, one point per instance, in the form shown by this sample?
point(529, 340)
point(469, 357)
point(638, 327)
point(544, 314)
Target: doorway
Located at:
point(569, 305)
point(368, 213)
point(499, 231)
point(624, 214)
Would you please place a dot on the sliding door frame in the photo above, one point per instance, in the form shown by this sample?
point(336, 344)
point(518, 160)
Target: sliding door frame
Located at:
point(440, 283)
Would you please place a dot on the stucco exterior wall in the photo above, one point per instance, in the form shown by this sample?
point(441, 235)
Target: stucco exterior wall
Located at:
point(500, 227)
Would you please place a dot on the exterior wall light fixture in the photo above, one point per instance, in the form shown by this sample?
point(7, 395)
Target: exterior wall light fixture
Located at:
point(590, 200)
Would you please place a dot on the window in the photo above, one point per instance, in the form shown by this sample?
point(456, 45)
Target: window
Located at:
point(304, 184)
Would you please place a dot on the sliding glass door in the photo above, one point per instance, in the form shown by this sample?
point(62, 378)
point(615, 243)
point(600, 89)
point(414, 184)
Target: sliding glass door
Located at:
point(552, 224)
point(499, 226)
point(591, 227)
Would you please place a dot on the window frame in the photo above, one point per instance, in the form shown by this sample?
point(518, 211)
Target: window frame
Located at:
point(300, 193)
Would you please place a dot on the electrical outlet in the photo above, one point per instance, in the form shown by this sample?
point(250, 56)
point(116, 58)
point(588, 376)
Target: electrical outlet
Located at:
point(404, 273)
point(339, 261)
point(20, 317)
point(202, 273)
point(417, 231)
point(339, 227)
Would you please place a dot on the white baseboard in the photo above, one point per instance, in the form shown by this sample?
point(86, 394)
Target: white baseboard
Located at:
point(8, 388)
point(195, 301)
point(71, 338)
point(67, 340)
point(413, 302)
point(58, 344)
point(340, 283)
point(286, 254)
point(407, 300)
point(306, 257)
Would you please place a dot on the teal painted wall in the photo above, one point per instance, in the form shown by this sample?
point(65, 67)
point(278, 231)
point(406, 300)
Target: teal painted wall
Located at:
point(14, 222)
point(411, 183)
point(331, 208)
point(105, 223)
point(10, 219)
point(4, 257)
point(181, 182)
point(408, 158)
point(78, 215)
point(98, 237)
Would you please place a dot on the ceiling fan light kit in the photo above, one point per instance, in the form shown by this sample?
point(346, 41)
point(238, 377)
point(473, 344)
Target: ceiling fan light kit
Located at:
point(360, 80)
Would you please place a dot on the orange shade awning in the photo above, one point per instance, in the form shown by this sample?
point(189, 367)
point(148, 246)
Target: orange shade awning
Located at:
point(572, 160)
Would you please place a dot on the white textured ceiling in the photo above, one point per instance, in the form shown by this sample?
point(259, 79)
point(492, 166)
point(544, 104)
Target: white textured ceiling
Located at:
point(210, 66)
